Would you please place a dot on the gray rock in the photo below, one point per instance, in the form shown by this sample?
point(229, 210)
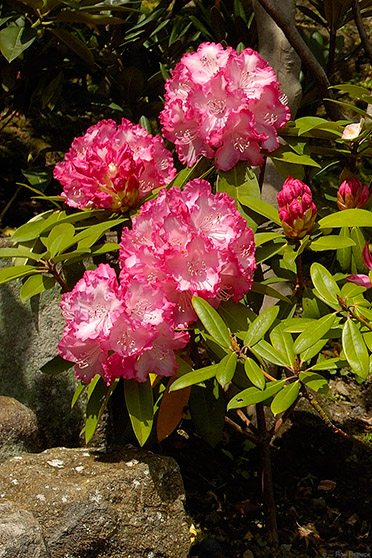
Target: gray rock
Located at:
point(101, 506)
point(18, 428)
point(29, 335)
point(20, 533)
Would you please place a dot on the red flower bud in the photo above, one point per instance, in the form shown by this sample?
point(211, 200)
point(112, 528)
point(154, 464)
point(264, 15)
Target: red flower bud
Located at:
point(297, 210)
point(352, 193)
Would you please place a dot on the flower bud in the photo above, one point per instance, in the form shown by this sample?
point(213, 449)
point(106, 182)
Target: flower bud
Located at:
point(366, 256)
point(352, 131)
point(297, 210)
point(352, 193)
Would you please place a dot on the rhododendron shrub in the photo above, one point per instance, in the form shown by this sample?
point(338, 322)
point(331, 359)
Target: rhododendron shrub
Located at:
point(222, 104)
point(113, 166)
point(182, 244)
point(297, 211)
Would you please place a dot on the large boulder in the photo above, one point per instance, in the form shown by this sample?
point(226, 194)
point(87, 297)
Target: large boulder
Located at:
point(29, 335)
point(20, 533)
point(18, 428)
point(128, 504)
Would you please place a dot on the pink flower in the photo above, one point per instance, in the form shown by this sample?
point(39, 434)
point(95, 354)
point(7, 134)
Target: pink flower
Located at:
point(361, 279)
point(222, 104)
point(113, 166)
point(352, 193)
point(297, 210)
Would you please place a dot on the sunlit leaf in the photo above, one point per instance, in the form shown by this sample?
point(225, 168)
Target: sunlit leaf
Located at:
point(212, 321)
point(226, 369)
point(253, 395)
point(140, 406)
point(285, 398)
point(260, 325)
point(355, 349)
point(254, 373)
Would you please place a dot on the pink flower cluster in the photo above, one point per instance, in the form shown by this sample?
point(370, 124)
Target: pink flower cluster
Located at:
point(113, 166)
point(184, 243)
point(297, 211)
point(360, 278)
point(222, 104)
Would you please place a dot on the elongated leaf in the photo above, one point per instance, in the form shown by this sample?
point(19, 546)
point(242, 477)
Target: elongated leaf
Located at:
point(270, 249)
point(347, 218)
point(140, 405)
point(34, 285)
point(355, 350)
point(19, 253)
point(314, 381)
point(262, 237)
point(326, 364)
point(95, 407)
point(253, 395)
point(15, 272)
point(313, 333)
point(312, 351)
point(307, 123)
point(283, 154)
point(56, 366)
point(324, 283)
point(79, 390)
point(358, 237)
point(331, 242)
point(240, 180)
point(268, 352)
point(260, 326)
point(60, 238)
point(194, 377)
point(212, 321)
point(285, 398)
point(283, 342)
point(14, 40)
point(236, 315)
point(268, 291)
point(226, 369)
point(75, 44)
point(254, 373)
point(207, 410)
point(260, 207)
point(344, 254)
point(171, 410)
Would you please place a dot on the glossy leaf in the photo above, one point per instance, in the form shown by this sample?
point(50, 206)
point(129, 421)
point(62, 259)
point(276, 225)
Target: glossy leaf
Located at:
point(254, 373)
point(326, 364)
point(344, 254)
point(347, 218)
point(34, 285)
point(313, 333)
point(15, 272)
point(355, 350)
point(283, 342)
point(19, 253)
point(236, 315)
point(78, 392)
point(285, 398)
point(56, 366)
point(314, 381)
point(253, 395)
point(194, 377)
point(261, 207)
point(212, 321)
point(324, 283)
point(96, 405)
point(140, 406)
point(312, 351)
point(331, 242)
point(268, 352)
point(60, 238)
point(268, 291)
point(226, 369)
point(14, 40)
point(207, 410)
point(239, 181)
point(260, 326)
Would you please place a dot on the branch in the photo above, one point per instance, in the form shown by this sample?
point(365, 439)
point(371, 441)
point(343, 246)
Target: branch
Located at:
point(362, 30)
point(289, 29)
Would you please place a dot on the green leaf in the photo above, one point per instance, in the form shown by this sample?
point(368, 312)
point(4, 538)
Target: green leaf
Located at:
point(359, 240)
point(98, 398)
point(308, 123)
point(239, 181)
point(253, 395)
point(283, 154)
point(15, 272)
point(326, 364)
point(283, 342)
point(212, 321)
point(315, 382)
point(140, 405)
point(261, 207)
point(79, 390)
point(313, 333)
point(34, 285)
point(14, 40)
point(260, 326)
point(347, 218)
point(226, 369)
point(236, 315)
point(355, 350)
point(344, 254)
point(263, 237)
point(285, 398)
point(56, 366)
point(19, 253)
point(312, 351)
point(207, 410)
point(270, 249)
point(268, 352)
point(195, 377)
point(60, 238)
point(266, 290)
point(254, 373)
point(324, 283)
point(331, 242)
point(75, 44)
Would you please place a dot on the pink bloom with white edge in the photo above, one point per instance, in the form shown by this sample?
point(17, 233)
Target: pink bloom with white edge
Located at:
point(224, 105)
point(113, 166)
point(352, 193)
point(297, 210)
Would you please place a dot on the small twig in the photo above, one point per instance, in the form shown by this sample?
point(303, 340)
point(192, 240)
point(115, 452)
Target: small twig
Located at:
point(251, 437)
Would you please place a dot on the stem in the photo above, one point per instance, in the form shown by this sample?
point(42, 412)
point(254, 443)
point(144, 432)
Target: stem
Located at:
point(57, 276)
point(251, 437)
point(300, 278)
point(267, 478)
point(362, 30)
point(261, 176)
point(332, 51)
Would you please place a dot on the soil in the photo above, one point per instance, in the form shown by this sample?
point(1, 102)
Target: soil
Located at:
point(322, 483)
